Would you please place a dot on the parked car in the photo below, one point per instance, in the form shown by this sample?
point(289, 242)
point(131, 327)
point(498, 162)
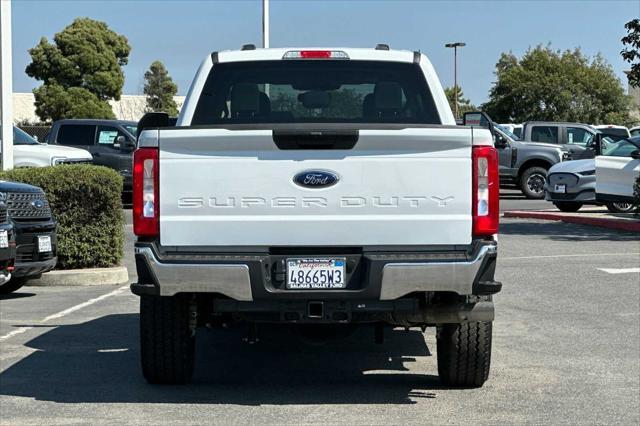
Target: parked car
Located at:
point(634, 131)
point(612, 129)
point(572, 184)
point(616, 171)
point(110, 142)
point(288, 212)
point(28, 152)
point(7, 248)
point(34, 228)
point(524, 164)
point(571, 137)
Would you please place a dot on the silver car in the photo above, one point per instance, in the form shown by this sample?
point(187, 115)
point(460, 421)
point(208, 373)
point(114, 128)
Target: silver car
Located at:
point(572, 184)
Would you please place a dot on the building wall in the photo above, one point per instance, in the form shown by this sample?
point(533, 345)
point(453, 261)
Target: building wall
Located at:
point(129, 107)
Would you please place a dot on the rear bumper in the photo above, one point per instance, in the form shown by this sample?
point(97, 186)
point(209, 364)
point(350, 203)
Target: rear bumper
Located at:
point(383, 276)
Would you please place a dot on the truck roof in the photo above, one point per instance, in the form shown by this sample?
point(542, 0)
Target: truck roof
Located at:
point(274, 54)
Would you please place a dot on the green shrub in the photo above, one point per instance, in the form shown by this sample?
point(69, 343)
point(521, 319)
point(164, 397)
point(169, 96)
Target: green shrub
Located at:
point(86, 203)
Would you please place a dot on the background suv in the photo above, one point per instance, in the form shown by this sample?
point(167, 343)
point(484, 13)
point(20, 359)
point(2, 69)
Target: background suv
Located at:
point(35, 231)
point(110, 142)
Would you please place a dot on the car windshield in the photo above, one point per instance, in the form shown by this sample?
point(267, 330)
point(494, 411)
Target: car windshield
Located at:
point(131, 129)
point(508, 133)
point(620, 148)
point(20, 137)
point(315, 91)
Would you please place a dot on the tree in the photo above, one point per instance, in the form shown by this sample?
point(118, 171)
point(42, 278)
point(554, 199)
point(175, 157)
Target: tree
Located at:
point(80, 71)
point(464, 104)
point(547, 84)
point(631, 54)
point(160, 89)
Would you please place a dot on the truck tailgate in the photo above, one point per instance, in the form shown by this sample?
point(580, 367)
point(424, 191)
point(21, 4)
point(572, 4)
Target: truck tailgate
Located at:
point(222, 187)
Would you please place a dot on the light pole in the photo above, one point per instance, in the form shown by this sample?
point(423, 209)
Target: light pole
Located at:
point(455, 73)
point(6, 88)
point(265, 24)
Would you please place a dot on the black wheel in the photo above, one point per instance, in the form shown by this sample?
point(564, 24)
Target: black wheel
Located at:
point(620, 207)
point(566, 206)
point(464, 353)
point(532, 182)
point(13, 285)
point(167, 342)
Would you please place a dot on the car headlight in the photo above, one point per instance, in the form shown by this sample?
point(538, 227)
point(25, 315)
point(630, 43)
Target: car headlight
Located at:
point(587, 173)
point(566, 156)
point(58, 160)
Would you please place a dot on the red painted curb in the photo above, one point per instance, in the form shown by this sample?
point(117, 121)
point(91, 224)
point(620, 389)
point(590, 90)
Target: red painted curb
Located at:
point(623, 225)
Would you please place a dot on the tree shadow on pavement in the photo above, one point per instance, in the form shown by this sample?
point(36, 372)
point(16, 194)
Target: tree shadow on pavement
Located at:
point(98, 361)
point(561, 231)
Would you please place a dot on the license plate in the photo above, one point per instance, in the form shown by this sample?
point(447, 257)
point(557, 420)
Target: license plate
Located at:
point(315, 273)
point(44, 244)
point(562, 189)
point(4, 239)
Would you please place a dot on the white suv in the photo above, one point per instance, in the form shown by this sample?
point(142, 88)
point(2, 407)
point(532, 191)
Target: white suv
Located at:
point(28, 152)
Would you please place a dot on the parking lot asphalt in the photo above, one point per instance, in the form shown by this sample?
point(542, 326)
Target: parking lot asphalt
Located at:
point(565, 350)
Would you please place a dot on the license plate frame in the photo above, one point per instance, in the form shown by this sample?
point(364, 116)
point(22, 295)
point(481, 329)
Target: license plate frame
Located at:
point(313, 268)
point(4, 239)
point(560, 188)
point(44, 244)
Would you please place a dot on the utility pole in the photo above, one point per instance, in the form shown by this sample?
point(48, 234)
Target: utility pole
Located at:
point(6, 87)
point(265, 23)
point(455, 73)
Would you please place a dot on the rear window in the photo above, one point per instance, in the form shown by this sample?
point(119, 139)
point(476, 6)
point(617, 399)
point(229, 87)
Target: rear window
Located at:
point(76, 134)
point(614, 131)
point(315, 91)
point(547, 134)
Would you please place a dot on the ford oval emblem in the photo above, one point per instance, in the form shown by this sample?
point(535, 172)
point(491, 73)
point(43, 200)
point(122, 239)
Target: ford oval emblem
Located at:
point(37, 204)
point(316, 179)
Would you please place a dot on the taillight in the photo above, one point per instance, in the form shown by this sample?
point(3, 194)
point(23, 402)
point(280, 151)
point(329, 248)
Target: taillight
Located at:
point(486, 191)
point(146, 203)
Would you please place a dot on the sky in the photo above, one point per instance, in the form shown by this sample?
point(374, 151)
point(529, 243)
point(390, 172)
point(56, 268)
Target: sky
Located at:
point(182, 33)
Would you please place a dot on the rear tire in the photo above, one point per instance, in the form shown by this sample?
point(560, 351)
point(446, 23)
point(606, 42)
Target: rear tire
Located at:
point(532, 182)
point(167, 345)
point(464, 353)
point(619, 207)
point(13, 285)
point(568, 207)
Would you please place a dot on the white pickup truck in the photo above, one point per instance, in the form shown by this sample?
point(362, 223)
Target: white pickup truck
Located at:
point(320, 188)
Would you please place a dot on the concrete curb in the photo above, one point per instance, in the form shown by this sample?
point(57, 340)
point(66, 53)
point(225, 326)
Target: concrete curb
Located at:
point(83, 277)
point(619, 224)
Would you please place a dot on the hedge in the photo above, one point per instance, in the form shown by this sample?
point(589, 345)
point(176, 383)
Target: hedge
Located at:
point(86, 203)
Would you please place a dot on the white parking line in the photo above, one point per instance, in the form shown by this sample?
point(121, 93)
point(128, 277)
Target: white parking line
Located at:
point(66, 312)
point(620, 271)
point(569, 255)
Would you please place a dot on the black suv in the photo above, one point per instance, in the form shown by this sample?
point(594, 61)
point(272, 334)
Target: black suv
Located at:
point(7, 249)
point(35, 230)
point(110, 142)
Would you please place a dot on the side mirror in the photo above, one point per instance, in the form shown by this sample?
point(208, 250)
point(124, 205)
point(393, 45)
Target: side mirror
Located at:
point(499, 141)
point(635, 154)
point(153, 120)
point(478, 118)
point(124, 143)
point(596, 144)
